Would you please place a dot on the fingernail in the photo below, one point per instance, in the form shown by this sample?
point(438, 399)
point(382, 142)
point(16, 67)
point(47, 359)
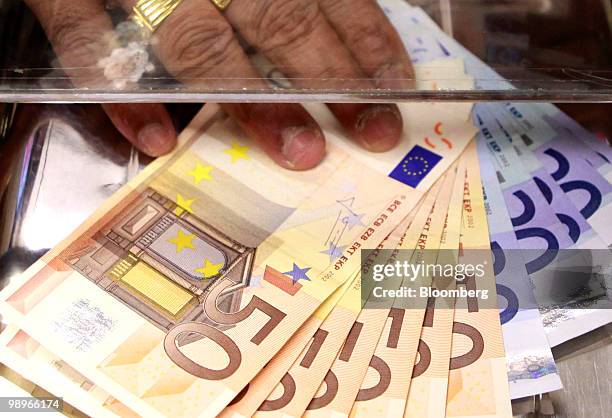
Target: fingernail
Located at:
point(155, 139)
point(379, 127)
point(302, 146)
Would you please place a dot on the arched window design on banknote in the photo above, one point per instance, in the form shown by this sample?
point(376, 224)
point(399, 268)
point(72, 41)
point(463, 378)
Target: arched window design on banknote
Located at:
point(159, 259)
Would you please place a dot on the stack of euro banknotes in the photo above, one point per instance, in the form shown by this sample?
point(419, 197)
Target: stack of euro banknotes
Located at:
point(216, 284)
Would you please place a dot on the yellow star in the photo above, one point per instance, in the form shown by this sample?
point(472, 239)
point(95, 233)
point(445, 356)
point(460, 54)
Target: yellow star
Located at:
point(201, 172)
point(182, 241)
point(209, 269)
point(238, 152)
point(184, 203)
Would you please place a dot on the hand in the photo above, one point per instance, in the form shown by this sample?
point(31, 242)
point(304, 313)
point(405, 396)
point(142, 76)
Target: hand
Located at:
point(317, 44)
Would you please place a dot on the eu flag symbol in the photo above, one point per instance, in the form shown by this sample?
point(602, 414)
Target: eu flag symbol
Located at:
point(415, 166)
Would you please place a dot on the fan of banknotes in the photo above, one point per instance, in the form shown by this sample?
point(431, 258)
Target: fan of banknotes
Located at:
point(217, 284)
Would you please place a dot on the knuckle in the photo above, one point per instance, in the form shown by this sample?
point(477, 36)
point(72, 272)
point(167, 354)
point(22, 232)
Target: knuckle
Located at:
point(199, 45)
point(285, 22)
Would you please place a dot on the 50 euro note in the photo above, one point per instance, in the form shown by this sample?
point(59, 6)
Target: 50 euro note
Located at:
point(31, 360)
point(385, 386)
point(297, 387)
point(342, 384)
point(287, 388)
point(477, 385)
point(353, 361)
point(429, 382)
point(275, 377)
point(209, 257)
point(275, 391)
point(251, 397)
point(295, 392)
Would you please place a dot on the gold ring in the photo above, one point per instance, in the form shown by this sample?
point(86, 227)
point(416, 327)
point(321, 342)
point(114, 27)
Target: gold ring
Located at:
point(150, 14)
point(221, 4)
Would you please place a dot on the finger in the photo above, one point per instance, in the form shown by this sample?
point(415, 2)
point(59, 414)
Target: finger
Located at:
point(197, 45)
point(286, 132)
point(377, 127)
point(146, 125)
point(297, 37)
point(372, 40)
point(79, 32)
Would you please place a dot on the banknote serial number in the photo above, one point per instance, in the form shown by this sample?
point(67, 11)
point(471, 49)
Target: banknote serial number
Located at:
point(30, 404)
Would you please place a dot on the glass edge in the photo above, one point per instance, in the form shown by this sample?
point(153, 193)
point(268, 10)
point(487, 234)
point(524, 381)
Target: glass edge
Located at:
point(518, 95)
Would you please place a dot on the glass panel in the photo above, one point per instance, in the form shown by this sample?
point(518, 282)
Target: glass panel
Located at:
point(273, 50)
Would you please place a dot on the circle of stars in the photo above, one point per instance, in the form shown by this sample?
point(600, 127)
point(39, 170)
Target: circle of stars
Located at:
point(415, 173)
